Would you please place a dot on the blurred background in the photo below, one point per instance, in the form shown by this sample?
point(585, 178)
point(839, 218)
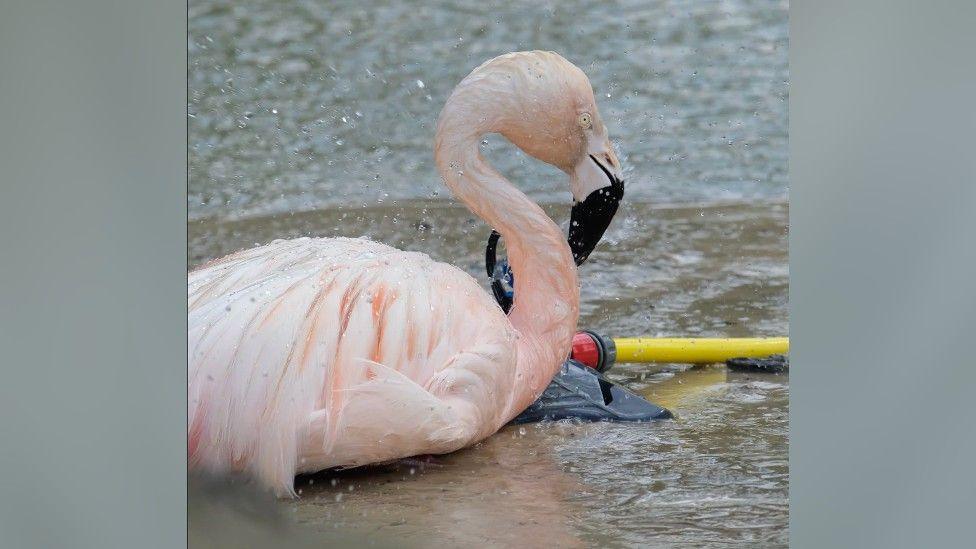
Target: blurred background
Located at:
point(316, 118)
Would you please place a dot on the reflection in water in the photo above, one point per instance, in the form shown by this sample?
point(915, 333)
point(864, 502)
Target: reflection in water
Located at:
point(506, 490)
point(681, 389)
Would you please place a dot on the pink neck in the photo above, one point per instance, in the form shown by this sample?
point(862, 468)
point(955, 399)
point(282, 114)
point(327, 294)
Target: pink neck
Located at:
point(546, 306)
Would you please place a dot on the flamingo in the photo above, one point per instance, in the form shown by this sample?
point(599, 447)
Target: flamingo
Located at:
point(317, 353)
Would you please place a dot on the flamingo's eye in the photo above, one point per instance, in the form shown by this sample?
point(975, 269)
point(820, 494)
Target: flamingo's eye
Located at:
point(585, 121)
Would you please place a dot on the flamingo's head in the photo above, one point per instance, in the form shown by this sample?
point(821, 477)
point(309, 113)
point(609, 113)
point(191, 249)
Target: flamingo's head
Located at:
point(544, 105)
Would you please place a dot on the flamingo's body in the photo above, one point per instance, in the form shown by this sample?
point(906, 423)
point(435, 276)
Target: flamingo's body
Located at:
point(314, 353)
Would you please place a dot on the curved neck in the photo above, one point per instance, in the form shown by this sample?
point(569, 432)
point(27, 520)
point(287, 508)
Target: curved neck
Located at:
point(546, 306)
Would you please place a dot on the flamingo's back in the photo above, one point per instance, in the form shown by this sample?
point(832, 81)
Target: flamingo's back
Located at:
point(313, 353)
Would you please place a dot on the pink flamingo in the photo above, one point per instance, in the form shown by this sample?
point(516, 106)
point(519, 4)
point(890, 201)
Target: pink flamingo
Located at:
point(314, 353)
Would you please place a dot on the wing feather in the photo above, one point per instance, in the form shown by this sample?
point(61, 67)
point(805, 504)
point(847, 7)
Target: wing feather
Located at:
point(315, 353)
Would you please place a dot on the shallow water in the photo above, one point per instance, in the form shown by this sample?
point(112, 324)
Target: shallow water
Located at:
point(309, 119)
point(304, 104)
point(719, 472)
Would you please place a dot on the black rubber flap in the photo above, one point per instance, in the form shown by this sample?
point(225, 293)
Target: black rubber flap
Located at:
point(578, 392)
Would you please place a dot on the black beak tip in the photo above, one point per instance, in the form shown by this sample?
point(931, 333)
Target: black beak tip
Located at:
point(580, 257)
point(590, 219)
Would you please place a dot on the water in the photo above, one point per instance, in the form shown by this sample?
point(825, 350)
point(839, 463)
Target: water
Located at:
point(302, 105)
point(310, 119)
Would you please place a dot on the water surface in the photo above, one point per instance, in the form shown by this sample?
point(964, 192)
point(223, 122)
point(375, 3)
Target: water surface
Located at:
point(306, 104)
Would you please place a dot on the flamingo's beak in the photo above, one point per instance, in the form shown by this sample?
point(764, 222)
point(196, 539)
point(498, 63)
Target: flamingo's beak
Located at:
point(592, 215)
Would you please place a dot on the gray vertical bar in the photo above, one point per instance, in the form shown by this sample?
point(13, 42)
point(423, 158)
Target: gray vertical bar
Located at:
point(92, 274)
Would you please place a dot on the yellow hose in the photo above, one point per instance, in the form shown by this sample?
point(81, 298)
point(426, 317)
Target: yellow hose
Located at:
point(697, 350)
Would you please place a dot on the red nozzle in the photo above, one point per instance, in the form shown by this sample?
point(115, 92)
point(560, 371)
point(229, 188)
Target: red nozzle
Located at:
point(593, 350)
